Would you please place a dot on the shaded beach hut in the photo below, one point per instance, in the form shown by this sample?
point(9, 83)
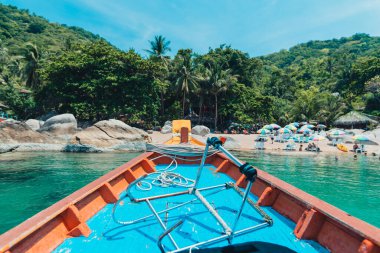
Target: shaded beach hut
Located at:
point(354, 119)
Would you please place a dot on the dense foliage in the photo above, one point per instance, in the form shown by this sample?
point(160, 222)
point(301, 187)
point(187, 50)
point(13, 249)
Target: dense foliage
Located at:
point(71, 70)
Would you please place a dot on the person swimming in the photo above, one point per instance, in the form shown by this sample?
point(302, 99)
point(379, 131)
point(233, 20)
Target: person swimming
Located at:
point(355, 157)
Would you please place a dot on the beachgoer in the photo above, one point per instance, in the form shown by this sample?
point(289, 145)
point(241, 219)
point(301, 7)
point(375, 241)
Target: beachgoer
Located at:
point(272, 138)
point(300, 149)
point(355, 147)
point(309, 146)
point(336, 158)
point(355, 157)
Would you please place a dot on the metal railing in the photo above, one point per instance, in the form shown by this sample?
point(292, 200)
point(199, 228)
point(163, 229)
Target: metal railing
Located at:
point(229, 233)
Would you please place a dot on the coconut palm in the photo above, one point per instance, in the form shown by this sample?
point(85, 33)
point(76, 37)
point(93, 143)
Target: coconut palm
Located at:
point(32, 58)
point(187, 79)
point(220, 81)
point(159, 47)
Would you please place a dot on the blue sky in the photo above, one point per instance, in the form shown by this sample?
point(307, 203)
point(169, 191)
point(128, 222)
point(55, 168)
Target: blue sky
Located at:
point(255, 26)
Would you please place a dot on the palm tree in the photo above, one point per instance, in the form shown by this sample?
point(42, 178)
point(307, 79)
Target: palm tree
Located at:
point(158, 48)
point(32, 58)
point(220, 81)
point(187, 79)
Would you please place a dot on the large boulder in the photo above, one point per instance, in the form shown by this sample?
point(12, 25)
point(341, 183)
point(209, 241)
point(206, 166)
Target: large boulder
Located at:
point(109, 133)
point(63, 124)
point(200, 130)
point(34, 124)
point(78, 148)
point(167, 128)
point(19, 132)
point(231, 143)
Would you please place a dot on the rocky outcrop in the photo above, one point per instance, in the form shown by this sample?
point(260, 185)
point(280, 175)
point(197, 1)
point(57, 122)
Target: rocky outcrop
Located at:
point(106, 135)
point(4, 148)
point(167, 128)
point(60, 125)
point(78, 148)
point(19, 132)
point(29, 147)
point(113, 134)
point(34, 124)
point(200, 130)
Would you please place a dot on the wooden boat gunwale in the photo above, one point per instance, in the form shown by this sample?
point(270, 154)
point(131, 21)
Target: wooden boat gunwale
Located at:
point(308, 212)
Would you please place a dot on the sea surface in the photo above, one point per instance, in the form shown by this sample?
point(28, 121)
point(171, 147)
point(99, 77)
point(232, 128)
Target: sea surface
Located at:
point(31, 182)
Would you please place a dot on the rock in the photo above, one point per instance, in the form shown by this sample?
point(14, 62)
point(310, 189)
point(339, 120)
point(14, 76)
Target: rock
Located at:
point(4, 148)
point(200, 130)
point(167, 128)
point(19, 132)
point(231, 143)
point(110, 133)
point(28, 147)
point(34, 124)
point(47, 116)
point(63, 124)
point(78, 148)
point(12, 121)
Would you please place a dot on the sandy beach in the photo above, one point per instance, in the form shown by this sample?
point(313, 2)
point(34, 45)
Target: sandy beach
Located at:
point(243, 142)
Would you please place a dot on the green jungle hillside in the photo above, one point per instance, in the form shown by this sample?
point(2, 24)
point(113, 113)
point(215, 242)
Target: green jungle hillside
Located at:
point(48, 67)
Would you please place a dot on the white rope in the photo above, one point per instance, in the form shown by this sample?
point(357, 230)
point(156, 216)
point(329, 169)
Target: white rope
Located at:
point(166, 177)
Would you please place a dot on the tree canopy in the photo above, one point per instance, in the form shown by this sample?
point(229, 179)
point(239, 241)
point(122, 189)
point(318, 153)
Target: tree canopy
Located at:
point(67, 69)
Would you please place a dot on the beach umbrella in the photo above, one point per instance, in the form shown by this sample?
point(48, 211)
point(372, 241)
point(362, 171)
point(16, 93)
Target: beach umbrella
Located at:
point(303, 123)
point(310, 126)
point(296, 124)
point(317, 138)
point(360, 138)
point(275, 126)
point(363, 139)
point(321, 126)
point(263, 131)
point(304, 130)
point(337, 133)
point(268, 127)
point(291, 127)
point(285, 131)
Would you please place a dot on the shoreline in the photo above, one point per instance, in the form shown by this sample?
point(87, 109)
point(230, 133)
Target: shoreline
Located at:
point(235, 143)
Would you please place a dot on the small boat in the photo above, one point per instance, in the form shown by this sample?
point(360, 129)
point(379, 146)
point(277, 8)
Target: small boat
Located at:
point(182, 128)
point(183, 198)
point(342, 147)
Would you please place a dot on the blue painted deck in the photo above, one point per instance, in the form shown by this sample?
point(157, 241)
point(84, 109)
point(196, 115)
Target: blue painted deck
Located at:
point(199, 225)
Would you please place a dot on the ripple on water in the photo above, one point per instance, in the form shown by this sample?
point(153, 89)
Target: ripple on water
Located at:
point(30, 182)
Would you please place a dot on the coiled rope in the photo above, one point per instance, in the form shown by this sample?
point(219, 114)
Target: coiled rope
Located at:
point(165, 177)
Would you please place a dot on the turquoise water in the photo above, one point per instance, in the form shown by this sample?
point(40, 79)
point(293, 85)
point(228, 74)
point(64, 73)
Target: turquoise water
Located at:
point(30, 182)
point(351, 185)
